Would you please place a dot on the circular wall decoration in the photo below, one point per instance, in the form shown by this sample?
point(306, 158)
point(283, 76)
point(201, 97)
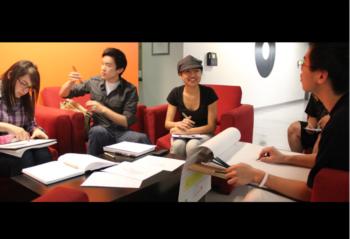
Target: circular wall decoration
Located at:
point(264, 65)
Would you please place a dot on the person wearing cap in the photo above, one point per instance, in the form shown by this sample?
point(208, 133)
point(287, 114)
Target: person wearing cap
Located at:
point(196, 105)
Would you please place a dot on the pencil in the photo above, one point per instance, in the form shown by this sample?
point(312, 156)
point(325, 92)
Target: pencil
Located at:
point(184, 115)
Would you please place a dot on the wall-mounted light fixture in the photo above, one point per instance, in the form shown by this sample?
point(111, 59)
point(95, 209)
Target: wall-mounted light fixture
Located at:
point(212, 59)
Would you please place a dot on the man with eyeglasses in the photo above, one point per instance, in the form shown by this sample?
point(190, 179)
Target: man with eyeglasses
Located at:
point(327, 76)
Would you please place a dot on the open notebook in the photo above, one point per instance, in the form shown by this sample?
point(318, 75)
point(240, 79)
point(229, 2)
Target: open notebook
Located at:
point(228, 148)
point(67, 166)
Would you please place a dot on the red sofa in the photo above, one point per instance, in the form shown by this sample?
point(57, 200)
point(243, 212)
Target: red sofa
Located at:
point(63, 194)
point(331, 185)
point(50, 98)
point(231, 113)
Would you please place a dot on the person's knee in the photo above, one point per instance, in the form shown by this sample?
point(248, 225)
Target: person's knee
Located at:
point(142, 138)
point(191, 146)
point(97, 132)
point(294, 129)
point(178, 147)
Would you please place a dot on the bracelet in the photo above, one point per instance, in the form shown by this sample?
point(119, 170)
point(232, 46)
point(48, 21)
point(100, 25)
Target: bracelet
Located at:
point(263, 181)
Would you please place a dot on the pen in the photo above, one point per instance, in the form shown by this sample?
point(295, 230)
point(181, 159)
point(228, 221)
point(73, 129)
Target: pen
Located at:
point(184, 115)
point(75, 70)
point(265, 155)
point(109, 155)
point(220, 162)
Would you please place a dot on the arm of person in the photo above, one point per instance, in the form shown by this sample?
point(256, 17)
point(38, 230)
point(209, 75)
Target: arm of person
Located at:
point(178, 126)
point(323, 121)
point(18, 132)
point(311, 122)
point(210, 127)
point(127, 118)
point(242, 174)
point(66, 87)
point(272, 155)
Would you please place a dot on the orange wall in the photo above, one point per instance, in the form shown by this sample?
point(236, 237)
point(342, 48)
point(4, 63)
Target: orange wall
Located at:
point(55, 60)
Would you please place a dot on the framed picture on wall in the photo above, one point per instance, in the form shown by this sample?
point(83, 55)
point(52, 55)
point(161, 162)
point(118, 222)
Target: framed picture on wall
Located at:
point(160, 48)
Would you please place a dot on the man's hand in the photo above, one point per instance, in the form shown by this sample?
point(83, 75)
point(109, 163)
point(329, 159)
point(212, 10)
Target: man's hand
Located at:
point(272, 155)
point(95, 106)
point(74, 77)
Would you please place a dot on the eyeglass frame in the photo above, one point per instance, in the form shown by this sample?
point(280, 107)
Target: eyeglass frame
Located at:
point(24, 84)
point(301, 63)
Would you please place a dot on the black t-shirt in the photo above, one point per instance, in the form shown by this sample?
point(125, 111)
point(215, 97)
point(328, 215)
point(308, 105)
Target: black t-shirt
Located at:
point(199, 116)
point(315, 108)
point(333, 149)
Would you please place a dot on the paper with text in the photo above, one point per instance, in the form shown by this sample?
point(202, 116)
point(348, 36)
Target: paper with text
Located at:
point(104, 179)
point(162, 163)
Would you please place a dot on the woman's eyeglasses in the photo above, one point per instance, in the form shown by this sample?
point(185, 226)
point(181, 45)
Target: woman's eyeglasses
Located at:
point(25, 85)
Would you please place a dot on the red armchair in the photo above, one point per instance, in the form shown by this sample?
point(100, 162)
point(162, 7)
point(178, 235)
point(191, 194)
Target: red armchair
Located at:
point(331, 185)
point(63, 194)
point(57, 126)
point(231, 113)
point(50, 97)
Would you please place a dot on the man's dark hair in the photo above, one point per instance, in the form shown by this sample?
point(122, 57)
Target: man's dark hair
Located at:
point(118, 56)
point(333, 58)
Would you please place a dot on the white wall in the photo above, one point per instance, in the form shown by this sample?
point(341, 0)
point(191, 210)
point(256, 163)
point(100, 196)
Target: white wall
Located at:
point(159, 74)
point(236, 66)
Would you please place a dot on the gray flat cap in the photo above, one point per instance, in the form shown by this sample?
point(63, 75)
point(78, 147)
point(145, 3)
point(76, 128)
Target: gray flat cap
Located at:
point(189, 62)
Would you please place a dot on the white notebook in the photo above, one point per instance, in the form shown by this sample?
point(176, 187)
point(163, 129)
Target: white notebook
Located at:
point(129, 149)
point(18, 148)
point(67, 166)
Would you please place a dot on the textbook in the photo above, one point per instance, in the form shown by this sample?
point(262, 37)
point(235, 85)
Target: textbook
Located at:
point(129, 149)
point(227, 147)
point(18, 148)
point(67, 166)
point(188, 136)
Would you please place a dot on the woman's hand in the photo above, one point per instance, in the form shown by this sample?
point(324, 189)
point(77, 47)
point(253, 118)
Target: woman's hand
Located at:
point(185, 124)
point(176, 130)
point(19, 132)
point(39, 134)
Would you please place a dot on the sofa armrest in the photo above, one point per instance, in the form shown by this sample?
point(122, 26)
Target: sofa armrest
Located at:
point(241, 118)
point(331, 185)
point(56, 125)
point(155, 122)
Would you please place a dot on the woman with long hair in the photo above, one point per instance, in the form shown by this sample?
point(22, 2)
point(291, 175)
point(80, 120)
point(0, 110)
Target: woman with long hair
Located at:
point(19, 88)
